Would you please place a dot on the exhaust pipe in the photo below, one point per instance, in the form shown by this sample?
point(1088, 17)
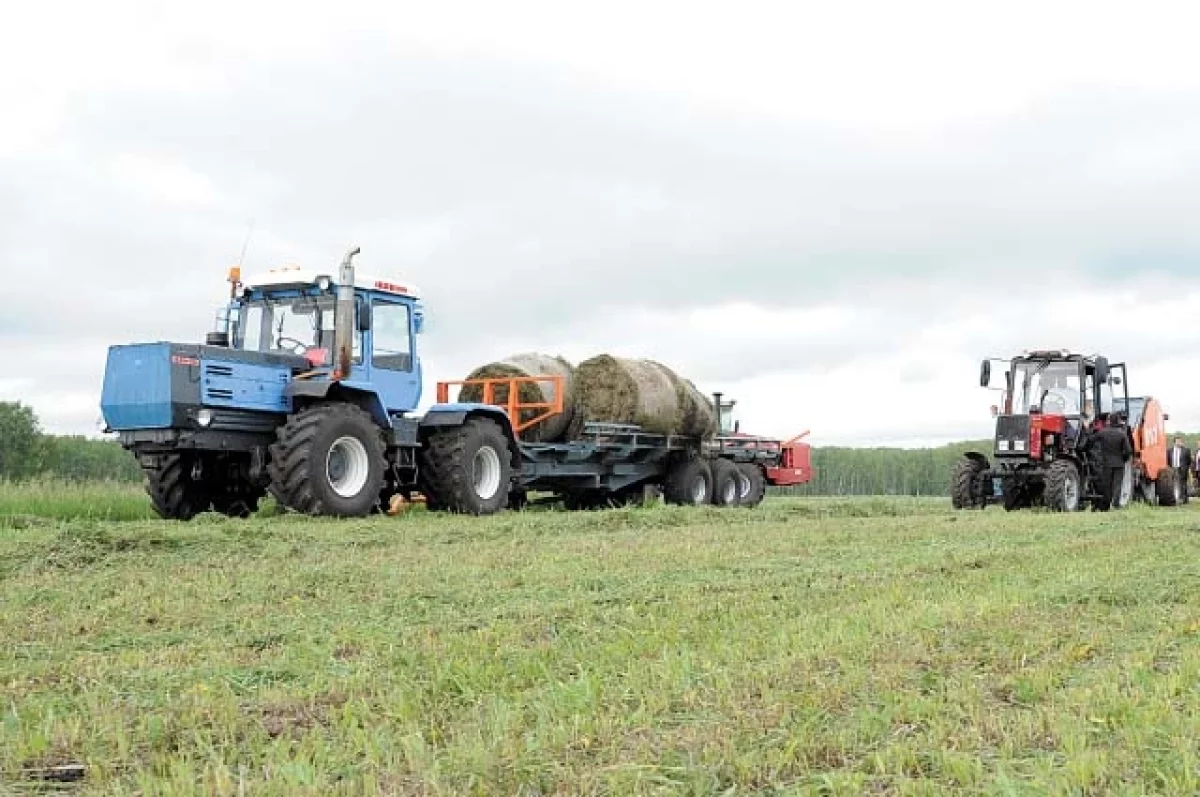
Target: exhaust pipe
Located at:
point(343, 319)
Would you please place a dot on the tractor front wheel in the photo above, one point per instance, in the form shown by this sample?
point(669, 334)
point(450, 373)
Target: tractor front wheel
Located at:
point(328, 460)
point(468, 469)
point(174, 494)
point(965, 492)
point(1063, 491)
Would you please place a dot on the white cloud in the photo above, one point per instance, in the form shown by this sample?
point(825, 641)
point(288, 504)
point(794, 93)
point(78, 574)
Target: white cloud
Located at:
point(830, 211)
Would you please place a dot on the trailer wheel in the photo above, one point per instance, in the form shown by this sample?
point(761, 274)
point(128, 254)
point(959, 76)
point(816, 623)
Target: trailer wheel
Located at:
point(1166, 486)
point(174, 494)
point(468, 469)
point(328, 460)
point(689, 483)
point(726, 487)
point(1063, 491)
point(752, 484)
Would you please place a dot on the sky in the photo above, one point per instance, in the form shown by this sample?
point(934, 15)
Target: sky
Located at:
point(828, 211)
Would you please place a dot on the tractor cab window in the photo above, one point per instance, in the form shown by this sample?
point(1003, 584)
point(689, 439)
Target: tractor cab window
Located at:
point(292, 325)
point(392, 336)
point(1052, 388)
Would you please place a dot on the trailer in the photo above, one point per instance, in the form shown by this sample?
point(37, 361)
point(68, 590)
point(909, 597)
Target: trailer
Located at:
point(614, 464)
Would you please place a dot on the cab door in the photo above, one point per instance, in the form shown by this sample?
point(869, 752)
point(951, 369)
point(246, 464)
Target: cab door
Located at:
point(394, 372)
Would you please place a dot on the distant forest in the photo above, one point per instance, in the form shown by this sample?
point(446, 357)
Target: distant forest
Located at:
point(26, 452)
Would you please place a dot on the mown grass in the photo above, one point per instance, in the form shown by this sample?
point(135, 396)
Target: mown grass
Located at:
point(810, 646)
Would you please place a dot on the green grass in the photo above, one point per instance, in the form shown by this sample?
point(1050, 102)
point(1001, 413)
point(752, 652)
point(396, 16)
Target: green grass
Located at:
point(812, 646)
point(53, 498)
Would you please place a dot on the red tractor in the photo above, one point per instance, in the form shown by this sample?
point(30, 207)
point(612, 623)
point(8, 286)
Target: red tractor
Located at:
point(1051, 403)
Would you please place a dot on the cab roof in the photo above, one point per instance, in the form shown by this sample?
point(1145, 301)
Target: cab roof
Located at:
point(296, 277)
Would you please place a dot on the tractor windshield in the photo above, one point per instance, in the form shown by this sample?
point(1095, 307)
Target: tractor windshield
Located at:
point(295, 324)
point(1047, 386)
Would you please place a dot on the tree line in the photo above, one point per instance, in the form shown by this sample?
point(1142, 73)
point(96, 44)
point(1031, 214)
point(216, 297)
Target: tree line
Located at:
point(885, 471)
point(26, 452)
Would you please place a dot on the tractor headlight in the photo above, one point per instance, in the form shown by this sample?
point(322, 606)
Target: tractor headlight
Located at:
point(1002, 445)
point(323, 283)
point(1018, 445)
point(204, 417)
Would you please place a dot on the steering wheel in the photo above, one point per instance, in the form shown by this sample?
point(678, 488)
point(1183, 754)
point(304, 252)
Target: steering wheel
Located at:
point(1054, 404)
point(297, 347)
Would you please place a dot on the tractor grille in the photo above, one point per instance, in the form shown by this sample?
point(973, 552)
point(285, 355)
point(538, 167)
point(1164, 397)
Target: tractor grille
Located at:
point(1012, 436)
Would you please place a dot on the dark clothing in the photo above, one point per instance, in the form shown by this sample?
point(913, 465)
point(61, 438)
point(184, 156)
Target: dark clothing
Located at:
point(1110, 487)
point(1112, 445)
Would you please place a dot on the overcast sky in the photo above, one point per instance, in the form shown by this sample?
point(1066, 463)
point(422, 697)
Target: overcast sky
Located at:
point(830, 211)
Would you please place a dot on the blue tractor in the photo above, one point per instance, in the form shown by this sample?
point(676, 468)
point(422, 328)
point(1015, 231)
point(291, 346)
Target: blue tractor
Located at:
point(306, 390)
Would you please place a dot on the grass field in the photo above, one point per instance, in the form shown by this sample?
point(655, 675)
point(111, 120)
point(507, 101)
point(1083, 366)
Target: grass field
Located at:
point(809, 646)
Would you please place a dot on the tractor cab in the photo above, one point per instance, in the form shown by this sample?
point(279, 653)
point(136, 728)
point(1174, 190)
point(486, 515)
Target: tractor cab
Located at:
point(296, 313)
point(1051, 399)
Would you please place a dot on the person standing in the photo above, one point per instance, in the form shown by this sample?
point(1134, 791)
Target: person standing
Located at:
point(1112, 446)
point(1180, 458)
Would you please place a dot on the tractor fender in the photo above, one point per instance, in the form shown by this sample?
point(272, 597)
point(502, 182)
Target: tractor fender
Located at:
point(975, 456)
point(308, 391)
point(446, 416)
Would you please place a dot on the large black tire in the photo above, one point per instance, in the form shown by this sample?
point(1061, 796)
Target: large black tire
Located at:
point(328, 460)
point(964, 484)
point(174, 494)
point(1063, 491)
point(752, 484)
point(726, 488)
point(689, 483)
point(1167, 488)
point(468, 469)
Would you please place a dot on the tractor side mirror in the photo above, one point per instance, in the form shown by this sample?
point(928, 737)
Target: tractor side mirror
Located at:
point(418, 323)
point(1101, 370)
point(1166, 417)
point(985, 374)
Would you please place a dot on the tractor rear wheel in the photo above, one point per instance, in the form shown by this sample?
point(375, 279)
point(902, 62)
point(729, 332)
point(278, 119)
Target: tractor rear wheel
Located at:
point(689, 483)
point(174, 494)
point(1167, 487)
point(964, 484)
point(726, 488)
point(328, 460)
point(468, 469)
point(1063, 491)
point(752, 484)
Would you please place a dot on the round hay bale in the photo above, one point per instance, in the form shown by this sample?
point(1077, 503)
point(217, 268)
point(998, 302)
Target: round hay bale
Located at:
point(551, 429)
point(699, 416)
point(618, 390)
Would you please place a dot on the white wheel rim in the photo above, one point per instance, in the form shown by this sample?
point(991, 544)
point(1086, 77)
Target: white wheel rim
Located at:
point(699, 491)
point(347, 466)
point(1126, 487)
point(486, 472)
point(1071, 493)
point(743, 484)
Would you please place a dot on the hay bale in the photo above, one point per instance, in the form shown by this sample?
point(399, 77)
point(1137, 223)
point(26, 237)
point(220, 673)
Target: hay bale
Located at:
point(640, 392)
point(699, 417)
point(551, 429)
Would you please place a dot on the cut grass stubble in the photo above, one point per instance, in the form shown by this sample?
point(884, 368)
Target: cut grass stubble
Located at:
point(814, 645)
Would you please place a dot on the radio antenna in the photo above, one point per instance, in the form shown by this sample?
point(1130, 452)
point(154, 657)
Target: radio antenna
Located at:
point(246, 244)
